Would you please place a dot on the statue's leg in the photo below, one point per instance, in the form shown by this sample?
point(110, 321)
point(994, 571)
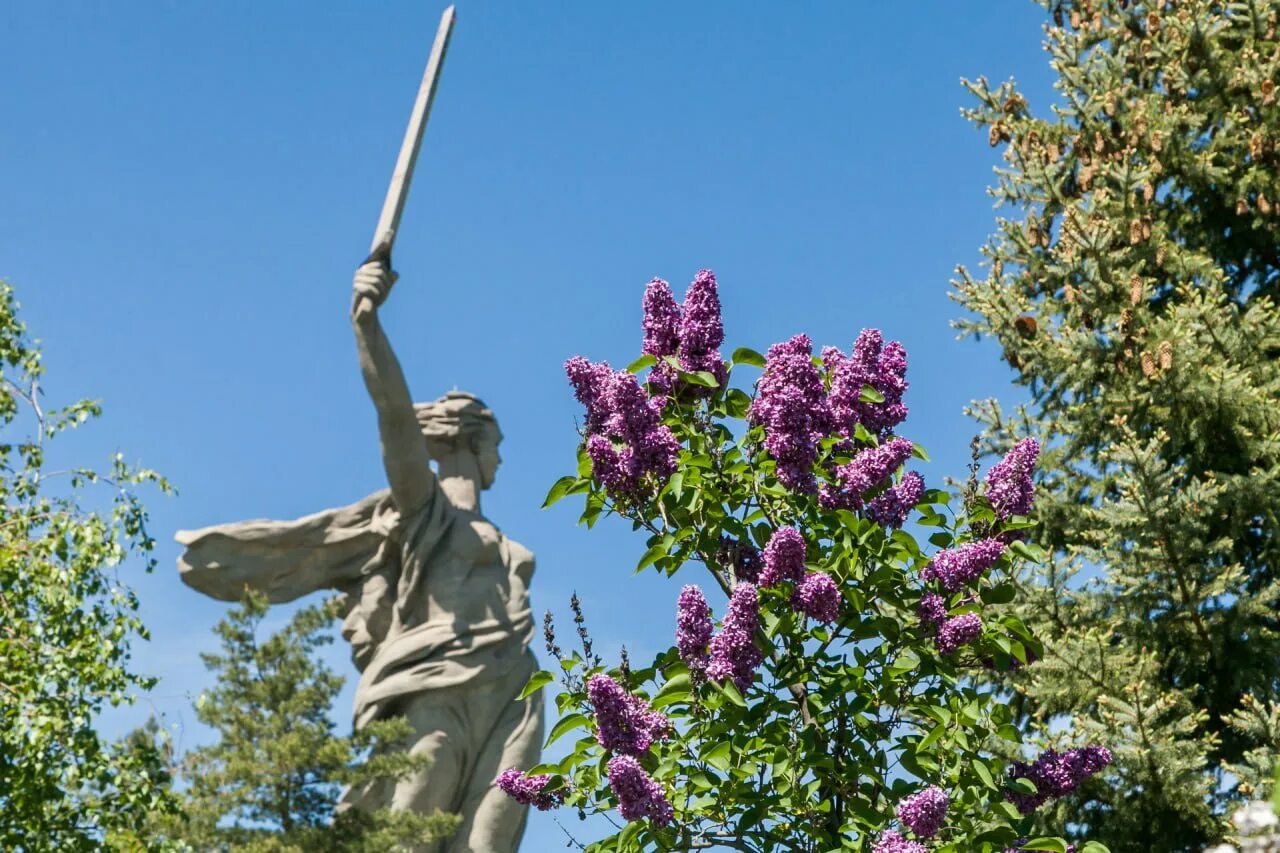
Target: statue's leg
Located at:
point(493, 822)
point(440, 725)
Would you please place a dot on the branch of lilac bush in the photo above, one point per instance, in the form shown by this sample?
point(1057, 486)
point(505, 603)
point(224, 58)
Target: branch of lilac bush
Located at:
point(633, 455)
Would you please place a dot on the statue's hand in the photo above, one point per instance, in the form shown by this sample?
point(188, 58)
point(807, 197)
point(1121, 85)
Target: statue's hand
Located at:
point(370, 288)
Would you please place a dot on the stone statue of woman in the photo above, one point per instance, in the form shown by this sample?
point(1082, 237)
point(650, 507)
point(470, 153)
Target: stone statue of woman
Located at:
point(436, 597)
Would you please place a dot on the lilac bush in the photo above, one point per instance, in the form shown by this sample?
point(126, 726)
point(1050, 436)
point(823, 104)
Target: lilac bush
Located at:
point(818, 691)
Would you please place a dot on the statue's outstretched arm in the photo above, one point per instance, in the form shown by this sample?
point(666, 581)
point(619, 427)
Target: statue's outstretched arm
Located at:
point(404, 452)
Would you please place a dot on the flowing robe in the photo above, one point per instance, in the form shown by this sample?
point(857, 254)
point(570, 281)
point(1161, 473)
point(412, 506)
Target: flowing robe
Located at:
point(437, 614)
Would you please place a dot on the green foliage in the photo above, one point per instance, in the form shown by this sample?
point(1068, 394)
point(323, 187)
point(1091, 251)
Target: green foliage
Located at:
point(843, 720)
point(66, 624)
point(1132, 287)
point(271, 782)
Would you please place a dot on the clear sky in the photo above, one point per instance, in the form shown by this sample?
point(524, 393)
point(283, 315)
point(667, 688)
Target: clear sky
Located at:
point(188, 187)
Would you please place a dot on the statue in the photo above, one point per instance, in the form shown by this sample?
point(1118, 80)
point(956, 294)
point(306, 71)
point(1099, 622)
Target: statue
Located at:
point(436, 597)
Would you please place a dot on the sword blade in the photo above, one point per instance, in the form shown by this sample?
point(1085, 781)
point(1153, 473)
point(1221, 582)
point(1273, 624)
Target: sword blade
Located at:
point(389, 222)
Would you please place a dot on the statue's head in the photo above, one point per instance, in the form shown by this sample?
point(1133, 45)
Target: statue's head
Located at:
point(461, 422)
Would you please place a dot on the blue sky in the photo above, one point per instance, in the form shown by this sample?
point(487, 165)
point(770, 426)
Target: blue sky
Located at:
point(188, 187)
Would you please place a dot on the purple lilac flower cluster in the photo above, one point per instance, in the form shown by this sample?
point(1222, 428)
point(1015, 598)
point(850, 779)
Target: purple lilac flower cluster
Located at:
point(958, 631)
point(1009, 486)
point(694, 334)
point(743, 557)
point(701, 329)
point(693, 627)
point(783, 557)
point(529, 790)
point(625, 722)
point(932, 610)
point(639, 794)
point(954, 568)
point(924, 812)
point(875, 363)
point(891, 507)
point(626, 439)
point(864, 472)
point(791, 405)
point(661, 332)
point(733, 651)
point(1056, 774)
point(817, 597)
point(892, 842)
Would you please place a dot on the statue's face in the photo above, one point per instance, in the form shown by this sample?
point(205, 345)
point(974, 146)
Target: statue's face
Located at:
point(489, 459)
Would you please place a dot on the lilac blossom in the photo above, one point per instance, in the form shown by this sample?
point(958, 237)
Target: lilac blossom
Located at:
point(817, 597)
point(628, 444)
point(1009, 486)
point(783, 557)
point(956, 567)
point(1056, 774)
point(733, 651)
point(624, 722)
point(529, 790)
point(693, 627)
point(743, 557)
point(701, 328)
point(958, 631)
point(892, 842)
point(932, 610)
point(791, 406)
point(925, 811)
point(892, 506)
point(639, 795)
point(864, 472)
point(874, 363)
point(661, 332)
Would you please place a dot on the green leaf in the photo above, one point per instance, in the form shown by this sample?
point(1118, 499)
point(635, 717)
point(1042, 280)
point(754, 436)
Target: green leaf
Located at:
point(920, 453)
point(906, 662)
point(746, 355)
point(641, 363)
point(730, 691)
point(718, 755)
point(984, 774)
point(1095, 847)
point(537, 681)
point(651, 556)
point(1002, 594)
point(870, 395)
point(567, 724)
point(1056, 845)
point(1022, 786)
point(702, 377)
point(559, 490)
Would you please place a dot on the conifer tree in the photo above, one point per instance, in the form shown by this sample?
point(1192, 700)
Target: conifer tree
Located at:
point(272, 781)
point(1132, 287)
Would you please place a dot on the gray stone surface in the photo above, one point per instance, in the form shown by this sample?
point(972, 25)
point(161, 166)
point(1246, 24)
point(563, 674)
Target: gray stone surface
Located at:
point(436, 597)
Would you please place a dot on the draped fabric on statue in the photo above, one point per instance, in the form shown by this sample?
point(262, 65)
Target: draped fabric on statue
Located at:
point(381, 562)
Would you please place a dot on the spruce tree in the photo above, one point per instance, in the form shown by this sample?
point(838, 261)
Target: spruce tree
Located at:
point(271, 782)
point(1131, 286)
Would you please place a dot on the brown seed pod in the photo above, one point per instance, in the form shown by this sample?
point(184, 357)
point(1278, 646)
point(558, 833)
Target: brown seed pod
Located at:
point(1166, 355)
point(1069, 293)
point(1264, 206)
point(1160, 255)
point(1075, 19)
point(1148, 192)
point(1135, 232)
point(1146, 229)
point(1026, 326)
point(1126, 321)
point(1148, 364)
point(1268, 90)
point(1153, 23)
point(1242, 207)
point(997, 134)
point(1135, 289)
